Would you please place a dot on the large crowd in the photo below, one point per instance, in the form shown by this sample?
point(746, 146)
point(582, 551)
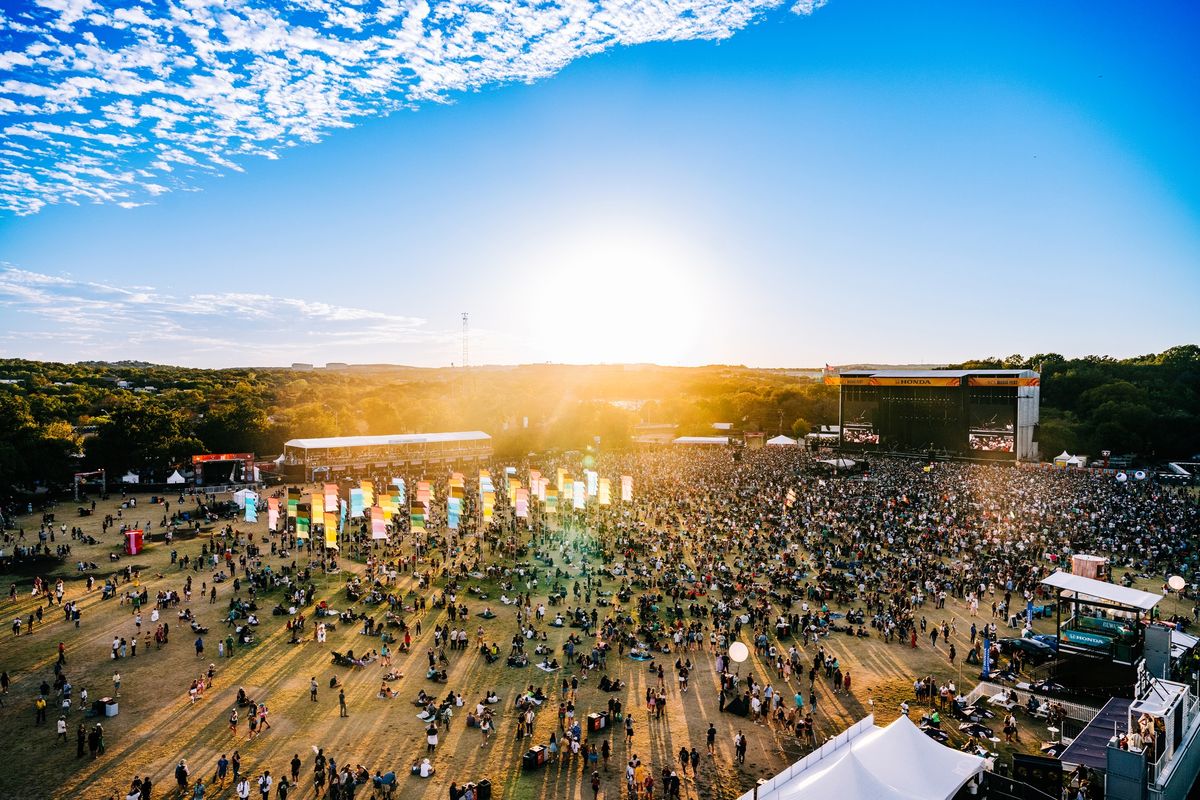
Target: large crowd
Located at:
point(767, 547)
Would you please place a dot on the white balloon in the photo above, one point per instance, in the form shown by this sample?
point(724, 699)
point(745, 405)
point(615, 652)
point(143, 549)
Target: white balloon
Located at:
point(739, 652)
point(1176, 582)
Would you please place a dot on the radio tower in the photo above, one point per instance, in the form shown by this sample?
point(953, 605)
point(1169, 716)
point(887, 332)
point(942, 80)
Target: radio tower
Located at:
point(465, 335)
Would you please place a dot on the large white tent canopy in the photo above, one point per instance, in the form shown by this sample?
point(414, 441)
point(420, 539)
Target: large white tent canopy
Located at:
point(781, 440)
point(239, 497)
point(867, 762)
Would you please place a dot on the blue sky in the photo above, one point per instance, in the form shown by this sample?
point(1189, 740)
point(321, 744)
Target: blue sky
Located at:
point(695, 183)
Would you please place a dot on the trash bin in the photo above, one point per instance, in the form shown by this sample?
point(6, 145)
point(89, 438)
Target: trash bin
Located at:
point(483, 790)
point(110, 708)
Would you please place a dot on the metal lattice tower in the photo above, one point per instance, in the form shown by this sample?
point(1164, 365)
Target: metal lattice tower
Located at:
point(465, 336)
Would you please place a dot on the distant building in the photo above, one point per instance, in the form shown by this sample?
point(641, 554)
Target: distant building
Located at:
point(337, 365)
point(710, 441)
point(654, 433)
point(343, 456)
point(300, 366)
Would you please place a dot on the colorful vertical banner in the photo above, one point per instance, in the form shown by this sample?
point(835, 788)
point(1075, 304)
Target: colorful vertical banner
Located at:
point(789, 499)
point(401, 491)
point(593, 482)
point(604, 493)
point(455, 496)
point(579, 495)
point(368, 493)
point(331, 496)
point(514, 486)
point(379, 523)
point(272, 514)
point(301, 528)
point(561, 478)
point(416, 518)
point(331, 538)
point(356, 503)
point(251, 509)
point(331, 523)
point(487, 496)
point(626, 488)
point(317, 501)
point(551, 501)
point(522, 503)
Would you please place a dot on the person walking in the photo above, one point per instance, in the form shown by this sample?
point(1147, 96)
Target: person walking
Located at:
point(342, 703)
point(312, 689)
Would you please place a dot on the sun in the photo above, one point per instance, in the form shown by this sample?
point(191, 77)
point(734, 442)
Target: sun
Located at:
point(621, 297)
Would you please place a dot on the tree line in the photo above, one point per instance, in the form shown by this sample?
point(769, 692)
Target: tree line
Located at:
point(56, 419)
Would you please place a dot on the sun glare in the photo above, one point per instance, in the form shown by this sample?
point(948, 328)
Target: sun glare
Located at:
point(629, 297)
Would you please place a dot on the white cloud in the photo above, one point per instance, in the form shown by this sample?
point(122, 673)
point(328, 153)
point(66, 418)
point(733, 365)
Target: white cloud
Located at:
point(179, 329)
point(185, 87)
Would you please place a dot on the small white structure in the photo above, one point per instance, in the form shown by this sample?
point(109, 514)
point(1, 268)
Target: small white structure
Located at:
point(781, 441)
point(130, 477)
point(175, 477)
point(1065, 459)
point(702, 440)
point(867, 762)
point(240, 496)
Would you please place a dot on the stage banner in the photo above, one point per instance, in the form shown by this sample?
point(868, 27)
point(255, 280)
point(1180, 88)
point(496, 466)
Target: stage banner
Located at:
point(331, 495)
point(996, 381)
point(626, 488)
point(593, 482)
point(272, 514)
point(605, 491)
point(578, 495)
point(251, 509)
point(356, 503)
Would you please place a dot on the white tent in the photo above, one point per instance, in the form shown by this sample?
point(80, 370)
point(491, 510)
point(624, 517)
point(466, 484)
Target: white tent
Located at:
point(781, 440)
point(1062, 459)
point(239, 497)
point(130, 477)
point(175, 477)
point(867, 762)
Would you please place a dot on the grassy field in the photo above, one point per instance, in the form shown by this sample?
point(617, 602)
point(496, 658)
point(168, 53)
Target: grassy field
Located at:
point(157, 725)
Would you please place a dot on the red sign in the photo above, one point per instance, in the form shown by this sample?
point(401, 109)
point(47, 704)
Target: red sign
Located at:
point(223, 457)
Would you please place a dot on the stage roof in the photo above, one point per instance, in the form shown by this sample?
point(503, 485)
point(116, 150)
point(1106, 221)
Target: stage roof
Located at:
point(1101, 590)
point(934, 373)
point(382, 441)
point(1090, 746)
